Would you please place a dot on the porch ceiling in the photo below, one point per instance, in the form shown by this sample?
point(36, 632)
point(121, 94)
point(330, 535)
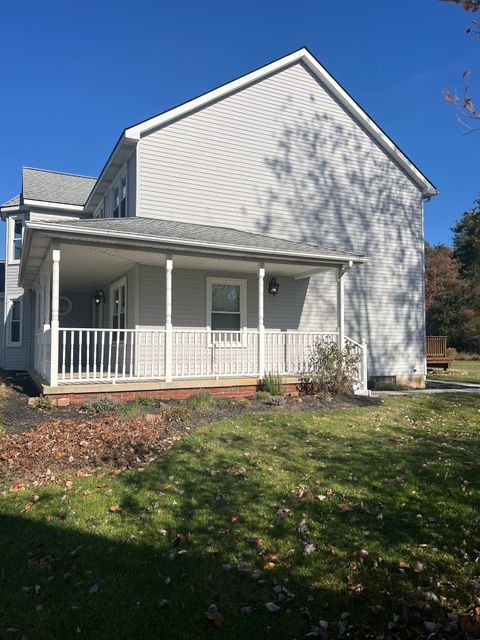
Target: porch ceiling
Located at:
point(84, 268)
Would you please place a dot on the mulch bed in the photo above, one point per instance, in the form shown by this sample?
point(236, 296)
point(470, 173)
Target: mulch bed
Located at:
point(36, 445)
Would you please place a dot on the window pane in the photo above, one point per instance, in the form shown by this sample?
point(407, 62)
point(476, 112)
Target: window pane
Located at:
point(15, 310)
point(225, 297)
point(17, 249)
point(15, 332)
point(226, 321)
point(18, 229)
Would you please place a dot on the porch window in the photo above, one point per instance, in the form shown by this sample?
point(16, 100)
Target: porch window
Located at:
point(14, 324)
point(118, 297)
point(226, 304)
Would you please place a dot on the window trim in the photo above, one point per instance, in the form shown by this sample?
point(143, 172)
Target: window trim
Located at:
point(242, 282)
point(10, 301)
point(118, 284)
point(11, 238)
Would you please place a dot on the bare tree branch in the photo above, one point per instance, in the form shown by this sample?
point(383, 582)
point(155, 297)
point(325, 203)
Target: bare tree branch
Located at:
point(468, 111)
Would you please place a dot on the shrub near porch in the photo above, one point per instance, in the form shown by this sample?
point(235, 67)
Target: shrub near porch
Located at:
point(279, 520)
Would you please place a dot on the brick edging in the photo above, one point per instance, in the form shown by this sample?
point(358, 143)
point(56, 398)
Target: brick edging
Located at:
point(163, 394)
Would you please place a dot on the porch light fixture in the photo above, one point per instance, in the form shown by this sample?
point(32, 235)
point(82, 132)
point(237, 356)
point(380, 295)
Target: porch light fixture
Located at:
point(273, 286)
point(99, 297)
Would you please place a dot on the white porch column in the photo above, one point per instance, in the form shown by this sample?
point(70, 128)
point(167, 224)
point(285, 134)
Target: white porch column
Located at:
point(168, 318)
point(261, 323)
point(340, 307)
point(54, 326)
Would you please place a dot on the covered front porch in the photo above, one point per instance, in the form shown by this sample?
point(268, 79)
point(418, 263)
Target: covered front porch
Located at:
point(123, 314)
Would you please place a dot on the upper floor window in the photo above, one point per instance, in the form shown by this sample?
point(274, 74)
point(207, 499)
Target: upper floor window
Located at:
point(16, 238)
point(119, 199)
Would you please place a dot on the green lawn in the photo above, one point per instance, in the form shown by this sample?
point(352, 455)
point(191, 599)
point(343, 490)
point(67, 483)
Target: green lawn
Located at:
point(389, 495)
point(460, 371)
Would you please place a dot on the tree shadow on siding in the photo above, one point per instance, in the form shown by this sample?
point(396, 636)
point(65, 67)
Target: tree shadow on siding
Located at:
point(344, 193)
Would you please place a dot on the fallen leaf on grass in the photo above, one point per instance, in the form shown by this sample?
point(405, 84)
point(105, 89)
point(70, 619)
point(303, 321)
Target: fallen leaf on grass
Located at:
point(27, 507)
point(344, 507)
point(115, 508)
point(214, 615)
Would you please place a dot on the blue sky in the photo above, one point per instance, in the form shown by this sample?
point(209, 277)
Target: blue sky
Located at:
point(73, 75)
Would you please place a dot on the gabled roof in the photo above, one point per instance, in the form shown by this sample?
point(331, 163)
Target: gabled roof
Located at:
point(56, 187)
point(132, 134)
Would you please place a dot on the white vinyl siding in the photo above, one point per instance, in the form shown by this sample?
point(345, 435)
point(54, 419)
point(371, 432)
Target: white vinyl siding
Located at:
point(283, 158)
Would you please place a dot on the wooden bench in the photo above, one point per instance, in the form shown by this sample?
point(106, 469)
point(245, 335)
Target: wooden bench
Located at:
point(437, 355)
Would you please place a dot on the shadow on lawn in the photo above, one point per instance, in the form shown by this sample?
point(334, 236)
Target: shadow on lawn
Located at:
point(210, 506)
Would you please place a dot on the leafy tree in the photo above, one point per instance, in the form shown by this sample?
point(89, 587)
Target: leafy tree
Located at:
point(466, 241)
point(444, 294)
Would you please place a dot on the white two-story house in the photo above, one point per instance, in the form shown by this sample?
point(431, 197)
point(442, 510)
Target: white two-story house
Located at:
point(221, 240)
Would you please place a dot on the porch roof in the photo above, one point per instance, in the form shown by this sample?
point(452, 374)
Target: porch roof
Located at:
point(169, 236)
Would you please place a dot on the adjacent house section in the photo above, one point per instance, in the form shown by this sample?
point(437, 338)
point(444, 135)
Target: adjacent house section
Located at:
point(44, 195)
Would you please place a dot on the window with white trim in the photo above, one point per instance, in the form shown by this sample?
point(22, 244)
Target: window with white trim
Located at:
point(118, 304)
point(16, 238)
point(14, 322)
point(226, 304)
point(119, 199)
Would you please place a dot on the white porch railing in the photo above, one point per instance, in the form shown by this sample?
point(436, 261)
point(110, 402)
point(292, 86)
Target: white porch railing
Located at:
point(116, 355)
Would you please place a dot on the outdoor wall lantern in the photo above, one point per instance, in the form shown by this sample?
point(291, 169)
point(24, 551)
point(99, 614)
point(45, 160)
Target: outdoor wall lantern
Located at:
point(99, 297)
point(273, 286)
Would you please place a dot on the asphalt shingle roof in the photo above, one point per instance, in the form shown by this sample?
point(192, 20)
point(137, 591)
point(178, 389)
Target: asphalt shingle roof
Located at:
point(201, 234)
point(52, 186)
point(12, 202)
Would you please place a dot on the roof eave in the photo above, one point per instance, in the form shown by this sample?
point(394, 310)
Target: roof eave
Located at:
point(168, 244)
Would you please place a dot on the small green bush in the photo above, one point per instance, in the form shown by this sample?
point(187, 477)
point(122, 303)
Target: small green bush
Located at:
point(146, 401)
point(202, 401)
point(273, 383)
point(102, 406)
point(175, 412)
point(42, 404)
point(331, 370)
point(262, 395)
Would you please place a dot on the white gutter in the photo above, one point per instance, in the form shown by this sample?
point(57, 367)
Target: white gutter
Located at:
point(53, 205)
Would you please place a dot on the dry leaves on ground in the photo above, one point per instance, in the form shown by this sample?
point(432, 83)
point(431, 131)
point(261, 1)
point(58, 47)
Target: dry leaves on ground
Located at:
point(62, 445)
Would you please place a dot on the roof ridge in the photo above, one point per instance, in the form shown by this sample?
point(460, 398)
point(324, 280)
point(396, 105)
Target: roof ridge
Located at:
point(63, 173)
